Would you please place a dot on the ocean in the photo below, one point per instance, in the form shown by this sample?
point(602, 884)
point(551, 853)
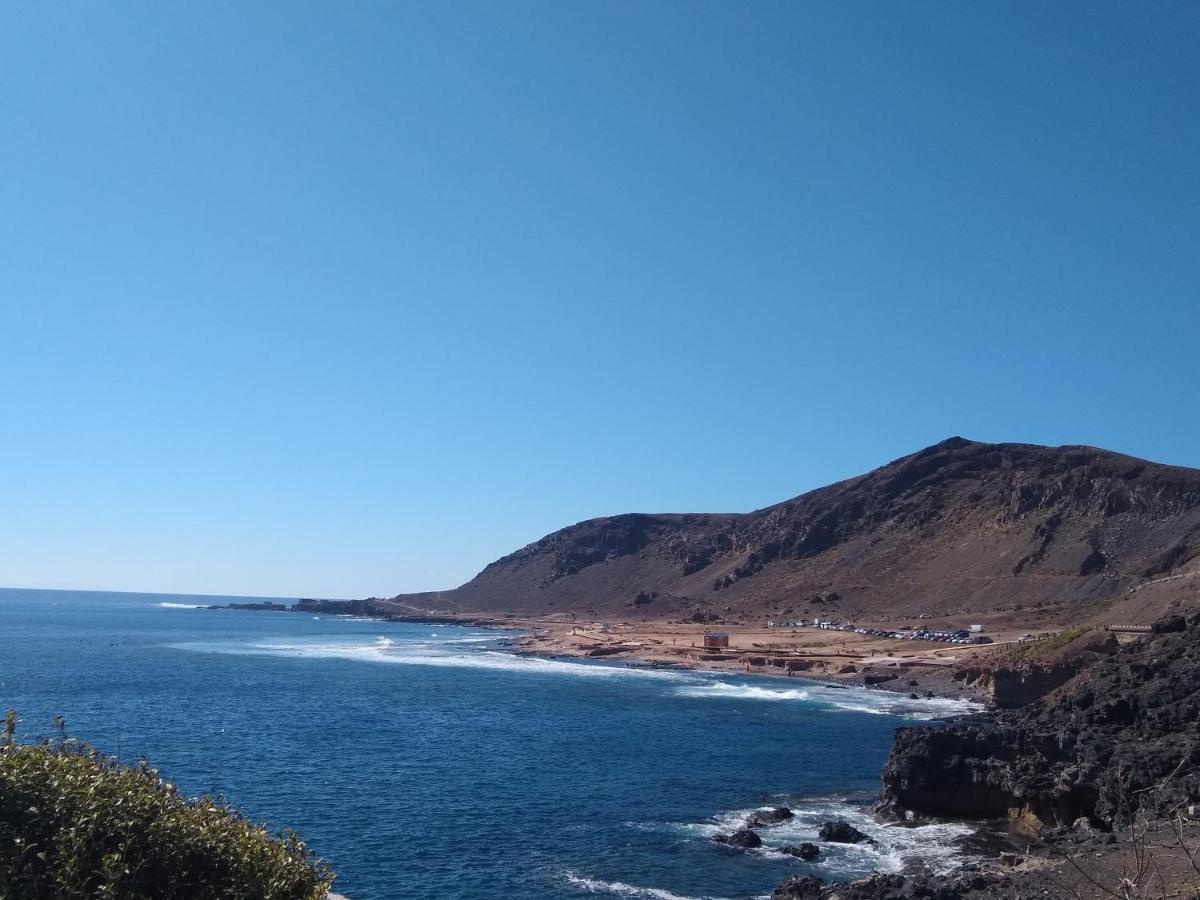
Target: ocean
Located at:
point(426, 761)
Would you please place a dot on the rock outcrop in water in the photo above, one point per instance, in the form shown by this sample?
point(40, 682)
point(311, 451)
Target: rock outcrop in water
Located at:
point(841, 833)
point(742, 839)
point(761, 818)
point(1059, 533)
point(1121, 735)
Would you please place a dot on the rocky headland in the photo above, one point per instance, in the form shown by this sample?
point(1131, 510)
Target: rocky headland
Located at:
point(1102, 776)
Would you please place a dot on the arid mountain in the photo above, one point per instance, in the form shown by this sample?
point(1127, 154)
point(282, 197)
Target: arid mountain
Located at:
point(1059, 533)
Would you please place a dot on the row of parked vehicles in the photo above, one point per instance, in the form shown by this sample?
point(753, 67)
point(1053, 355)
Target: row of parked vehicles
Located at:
point(904, 633)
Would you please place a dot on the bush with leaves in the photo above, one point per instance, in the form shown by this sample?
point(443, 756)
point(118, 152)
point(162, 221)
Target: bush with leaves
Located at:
point(75, 823)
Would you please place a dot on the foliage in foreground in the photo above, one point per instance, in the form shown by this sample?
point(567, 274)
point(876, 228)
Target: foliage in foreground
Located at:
point(75, 823)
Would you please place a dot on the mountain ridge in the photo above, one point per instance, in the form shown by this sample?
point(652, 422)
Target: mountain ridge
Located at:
point(959, 526)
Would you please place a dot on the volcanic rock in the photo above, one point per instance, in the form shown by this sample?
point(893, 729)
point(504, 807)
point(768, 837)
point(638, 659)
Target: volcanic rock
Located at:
point(743, 839)
point(805, 851)
point(841, 833)
point(774, 816)
point(1090, 749)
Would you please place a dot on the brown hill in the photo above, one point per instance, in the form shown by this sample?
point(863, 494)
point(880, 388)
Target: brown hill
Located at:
point(1063, 533)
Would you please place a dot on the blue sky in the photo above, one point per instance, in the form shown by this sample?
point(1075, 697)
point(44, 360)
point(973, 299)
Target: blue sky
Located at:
point(329, 299)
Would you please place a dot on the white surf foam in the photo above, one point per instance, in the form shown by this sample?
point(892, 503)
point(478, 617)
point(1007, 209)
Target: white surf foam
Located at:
point(863, 700)
point(424, 653)
point(724, 690)
point(166, 605)
point(887, 703)
point(937, 846)
point(620, 889)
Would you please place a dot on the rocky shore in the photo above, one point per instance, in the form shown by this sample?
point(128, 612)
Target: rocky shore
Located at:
point(1102, 775)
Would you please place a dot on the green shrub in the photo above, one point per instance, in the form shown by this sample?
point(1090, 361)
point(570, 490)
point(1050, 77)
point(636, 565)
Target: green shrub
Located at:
point(75, 823)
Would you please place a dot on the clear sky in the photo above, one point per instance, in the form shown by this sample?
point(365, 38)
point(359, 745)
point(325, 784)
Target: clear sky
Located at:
point(338, 299)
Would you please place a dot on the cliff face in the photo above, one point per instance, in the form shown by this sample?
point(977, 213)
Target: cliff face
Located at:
point(960, 526)
point(1099, 747)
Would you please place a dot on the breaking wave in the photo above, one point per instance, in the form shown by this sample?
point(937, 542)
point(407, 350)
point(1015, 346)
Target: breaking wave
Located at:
point(425, 653)
point(620, 889)
point(889, 703)
point(166, 605)
point(861, 700)
point(725, 690)
point(472, 651)
point(938, 847)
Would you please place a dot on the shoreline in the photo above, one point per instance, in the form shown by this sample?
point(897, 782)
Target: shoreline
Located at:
point(917, 669)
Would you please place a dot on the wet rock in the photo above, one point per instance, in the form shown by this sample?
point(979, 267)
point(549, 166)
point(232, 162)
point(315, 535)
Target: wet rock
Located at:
point(806, 851)
point(1091, 750)
point(742, 839)
point(806, 887)
point(774, 816)
point(879, 679)
point(841, 833)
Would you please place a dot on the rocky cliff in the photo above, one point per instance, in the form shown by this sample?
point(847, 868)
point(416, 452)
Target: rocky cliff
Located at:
point(1122, 735)
point(1066, 532)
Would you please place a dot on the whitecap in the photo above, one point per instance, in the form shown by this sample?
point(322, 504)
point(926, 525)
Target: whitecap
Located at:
point(166, 605)
point(888, 703)
point(937, 845)
point(421, 653)
point(724, 690)
point(620, 889)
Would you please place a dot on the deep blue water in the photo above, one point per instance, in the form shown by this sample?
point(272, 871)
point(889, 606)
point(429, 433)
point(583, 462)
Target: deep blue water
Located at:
point(426, 762)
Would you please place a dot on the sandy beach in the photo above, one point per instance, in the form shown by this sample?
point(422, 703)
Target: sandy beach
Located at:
point(909, 666)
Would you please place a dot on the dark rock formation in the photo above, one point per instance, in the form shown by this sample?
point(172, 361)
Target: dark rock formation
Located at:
point(885, 887)
point(774, 816)
point(1092, 749)
point(805, 851)
point(742, 839)
point(805, 887)
point(841, 833)
point(1020, 686)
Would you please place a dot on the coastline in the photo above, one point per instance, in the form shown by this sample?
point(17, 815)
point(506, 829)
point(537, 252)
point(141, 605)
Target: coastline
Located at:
point(835, 657)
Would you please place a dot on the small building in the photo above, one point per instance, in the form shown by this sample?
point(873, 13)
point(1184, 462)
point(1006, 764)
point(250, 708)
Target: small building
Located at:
point(716, 640)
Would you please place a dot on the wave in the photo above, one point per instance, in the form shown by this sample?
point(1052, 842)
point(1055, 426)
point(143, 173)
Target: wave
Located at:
point(166, 605)
point(620, 889)
point(470, 652)
point(724, 690)
point(938, 846)
point(887, 703)
point(861, 700)
point(424, 653)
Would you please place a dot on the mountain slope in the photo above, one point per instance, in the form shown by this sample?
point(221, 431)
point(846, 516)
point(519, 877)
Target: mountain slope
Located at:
point(961, 526)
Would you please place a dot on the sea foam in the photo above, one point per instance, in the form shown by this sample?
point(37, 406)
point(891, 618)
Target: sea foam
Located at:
point(620, 889)
point(427, 653)
point(724, 690)
point(938, 846)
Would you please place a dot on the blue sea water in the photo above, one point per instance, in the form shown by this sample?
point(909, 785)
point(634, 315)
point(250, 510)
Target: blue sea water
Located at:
point(429, 762)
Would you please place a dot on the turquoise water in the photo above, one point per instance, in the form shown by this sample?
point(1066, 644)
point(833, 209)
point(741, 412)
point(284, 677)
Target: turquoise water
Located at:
point(427, 762)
